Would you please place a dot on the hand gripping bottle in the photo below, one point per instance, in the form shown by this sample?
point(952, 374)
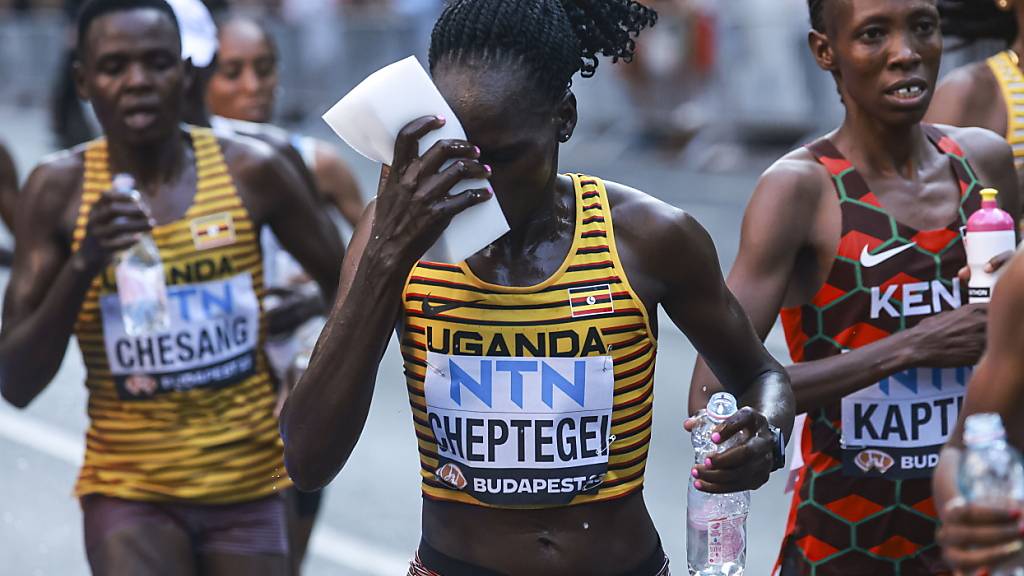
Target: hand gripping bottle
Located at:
point(990, 232)
point(991, 472)
point(716, 524)
point(140, 278)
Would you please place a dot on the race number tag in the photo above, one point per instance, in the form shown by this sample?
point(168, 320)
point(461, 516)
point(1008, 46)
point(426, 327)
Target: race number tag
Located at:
point(896, 428)
point(521, 431)
point(211, 343)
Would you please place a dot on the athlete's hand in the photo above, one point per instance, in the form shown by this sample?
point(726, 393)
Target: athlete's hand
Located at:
point(414, 206)
point(996, 263)
point(951, 339)
point(116, 221)
point(747, 464)
point(977, 537)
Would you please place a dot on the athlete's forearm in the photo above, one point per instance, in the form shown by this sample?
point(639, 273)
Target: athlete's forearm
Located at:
point(771, 395)
point(32, 347)
point(819, 383)
point(326, 412)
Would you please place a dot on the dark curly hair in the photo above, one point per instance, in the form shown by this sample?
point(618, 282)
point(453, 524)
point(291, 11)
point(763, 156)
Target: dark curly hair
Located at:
point(973, 20)
point(554, 38)
point(817, 10)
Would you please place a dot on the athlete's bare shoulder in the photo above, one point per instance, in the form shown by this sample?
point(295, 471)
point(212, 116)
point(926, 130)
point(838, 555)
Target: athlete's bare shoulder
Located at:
point(794, 184)
point(263, 176)
point(53, 189)
point(965, 97)
point(992, 159)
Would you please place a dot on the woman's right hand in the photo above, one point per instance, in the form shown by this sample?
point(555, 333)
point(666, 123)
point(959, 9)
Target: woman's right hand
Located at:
point(414, 206)
point(951, 339)
point(975, 537)
point(115, 223)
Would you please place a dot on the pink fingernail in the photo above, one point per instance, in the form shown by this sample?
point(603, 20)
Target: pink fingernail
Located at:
point(698, 485)
point(476, 150)
point(707, 462)
point(716, 437)
point(441, 119)
point(488, 168)
point(694, 473)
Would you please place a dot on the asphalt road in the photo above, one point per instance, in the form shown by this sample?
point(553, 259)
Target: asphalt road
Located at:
point(370, 523)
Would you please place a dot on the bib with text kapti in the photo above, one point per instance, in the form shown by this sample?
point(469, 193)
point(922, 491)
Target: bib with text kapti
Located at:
point(211, 343)
point(896, 428)
point(520, 431)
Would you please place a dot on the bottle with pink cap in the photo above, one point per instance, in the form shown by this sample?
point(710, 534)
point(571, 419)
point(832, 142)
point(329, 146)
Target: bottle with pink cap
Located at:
point(990, 232)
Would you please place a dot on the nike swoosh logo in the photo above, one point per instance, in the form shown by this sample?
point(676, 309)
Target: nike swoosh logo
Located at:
point(869, 260)
point(433, 310)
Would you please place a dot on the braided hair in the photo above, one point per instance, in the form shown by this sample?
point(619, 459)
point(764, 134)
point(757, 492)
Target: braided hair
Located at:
point(973, 20)
point(555, 39)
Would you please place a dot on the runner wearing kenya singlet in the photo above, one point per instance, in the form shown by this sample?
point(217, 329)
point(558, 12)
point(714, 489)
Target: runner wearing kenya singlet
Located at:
point(854, 240)
point(182, 471)
point(529, 366)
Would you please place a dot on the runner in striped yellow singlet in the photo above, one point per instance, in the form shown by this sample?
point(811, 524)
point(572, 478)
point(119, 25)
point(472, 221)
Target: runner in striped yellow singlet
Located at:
point(987, 94)
point(182, 470)
point(529, 366)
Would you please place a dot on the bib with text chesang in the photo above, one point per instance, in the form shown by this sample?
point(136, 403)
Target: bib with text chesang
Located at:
point(896, 428)
point(211, 343)
point(520, 431)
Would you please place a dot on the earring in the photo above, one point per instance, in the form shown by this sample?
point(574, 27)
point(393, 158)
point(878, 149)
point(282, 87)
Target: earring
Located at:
point(1004, 5)
point(564, 137)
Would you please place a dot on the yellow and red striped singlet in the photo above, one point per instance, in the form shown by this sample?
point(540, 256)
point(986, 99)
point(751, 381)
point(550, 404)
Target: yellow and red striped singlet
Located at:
point(186, 413)
point(532, 397)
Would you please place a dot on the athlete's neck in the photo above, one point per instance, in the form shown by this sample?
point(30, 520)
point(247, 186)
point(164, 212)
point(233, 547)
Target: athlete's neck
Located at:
point(1018, 43)
point(539, 223)
point(879, 148)
point(151, 165)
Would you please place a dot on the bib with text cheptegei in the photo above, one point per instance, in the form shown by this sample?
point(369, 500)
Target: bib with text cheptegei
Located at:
point(520, 431)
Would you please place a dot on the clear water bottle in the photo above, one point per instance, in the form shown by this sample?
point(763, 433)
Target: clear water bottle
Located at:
point(139, 271)
point(991, 472)
point(716, 524)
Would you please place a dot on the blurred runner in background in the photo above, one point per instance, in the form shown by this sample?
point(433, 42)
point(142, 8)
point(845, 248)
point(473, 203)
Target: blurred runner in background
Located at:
point(8, 198)
point(987, 94)
point(182, 471)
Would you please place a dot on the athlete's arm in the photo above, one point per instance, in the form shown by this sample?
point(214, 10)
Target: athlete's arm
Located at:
point(780, 227)
point(337, 183)
point(324, 416)
point(48, 284)
point(8, 188)
point(678, 253)
point(281, 200)
point(977, 536)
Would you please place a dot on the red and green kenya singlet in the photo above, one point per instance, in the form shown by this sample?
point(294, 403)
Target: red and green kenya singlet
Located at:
point(532, 397)
point(863, 502)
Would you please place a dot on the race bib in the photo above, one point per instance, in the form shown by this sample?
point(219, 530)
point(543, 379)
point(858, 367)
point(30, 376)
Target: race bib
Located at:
point(521, 431)
point(896, 428)
point(211, 342)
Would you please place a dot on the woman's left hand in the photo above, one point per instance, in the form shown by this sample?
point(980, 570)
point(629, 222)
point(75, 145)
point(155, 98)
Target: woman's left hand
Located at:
point(747, 464)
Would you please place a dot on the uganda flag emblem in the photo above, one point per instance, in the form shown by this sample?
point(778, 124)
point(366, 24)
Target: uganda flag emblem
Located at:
point(213, 231)
point(591, 301)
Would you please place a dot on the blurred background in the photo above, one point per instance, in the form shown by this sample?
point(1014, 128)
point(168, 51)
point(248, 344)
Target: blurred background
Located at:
point(718, 90)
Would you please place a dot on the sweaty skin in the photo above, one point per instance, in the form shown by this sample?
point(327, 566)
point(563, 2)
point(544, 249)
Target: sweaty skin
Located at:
point(133, 75)
point(791, 229)
point(244, 87)
point(971, 96)
point(518, 137)
point(974, 536)
point(8, 188)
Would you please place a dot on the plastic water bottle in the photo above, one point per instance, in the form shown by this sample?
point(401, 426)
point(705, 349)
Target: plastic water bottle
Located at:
point(140, 278)
point(990, 232)
point(991, 472)
point(716, 524)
